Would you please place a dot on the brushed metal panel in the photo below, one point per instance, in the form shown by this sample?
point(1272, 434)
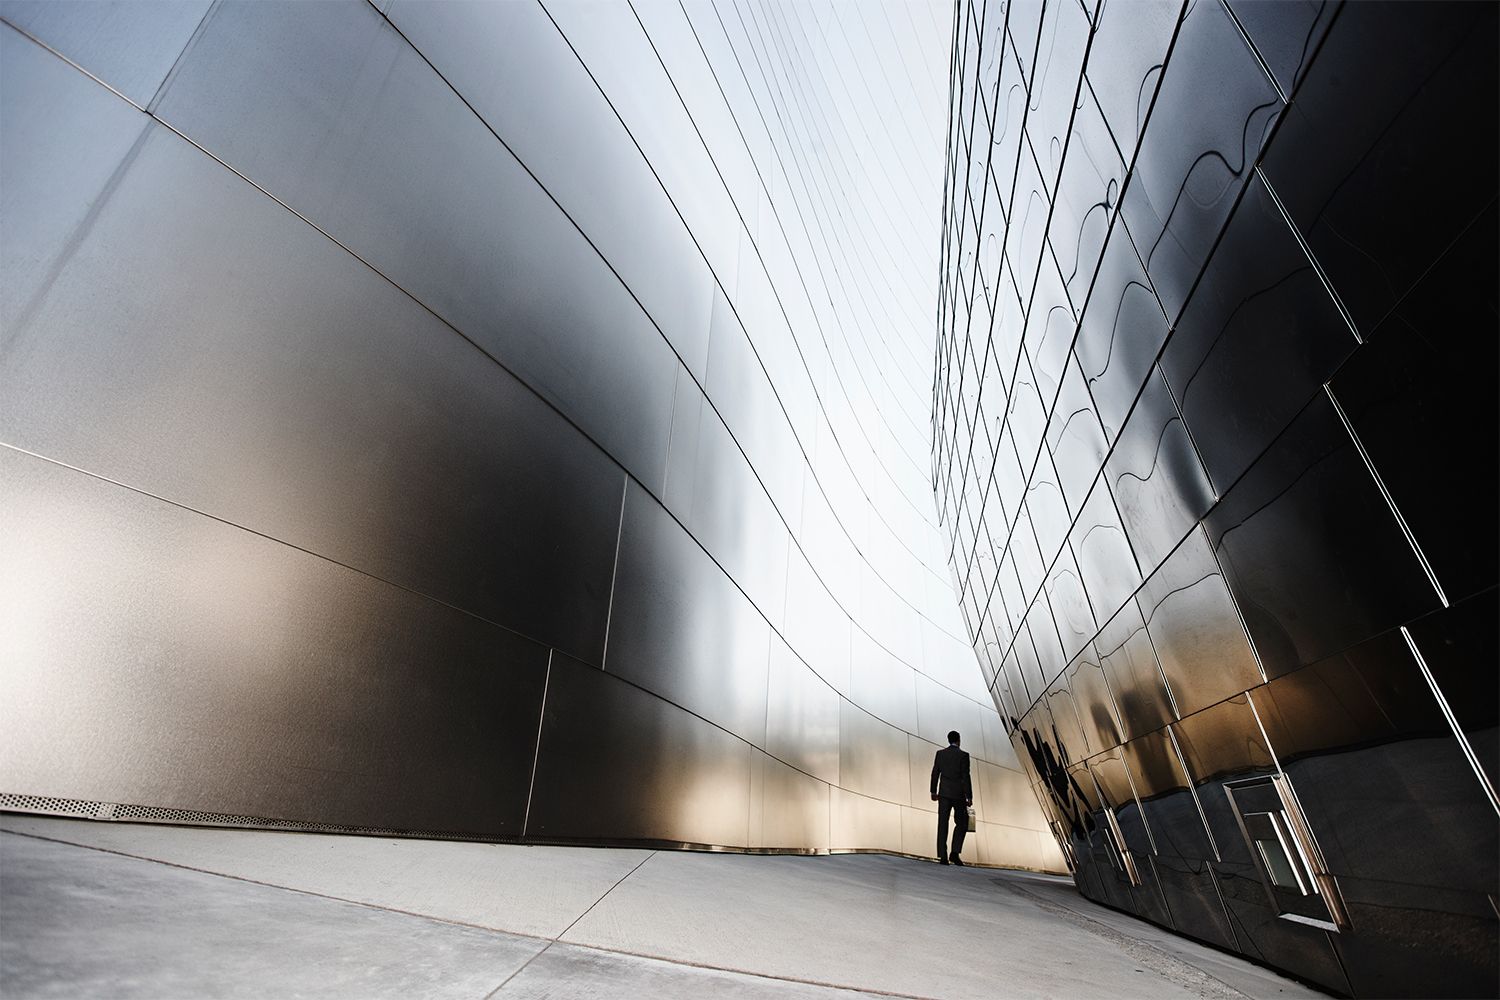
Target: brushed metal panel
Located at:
point(996, 746)
point(331, 111)
point(746, 401)
point(1105, 560)
point(1006, 795)
point(1050, 326)
point(680, 477)
point(619, 763)
point(1158, 483)
point(1064, 32)
point(1342, 728)
point(245, 366)
point(131, 46)
point(882, 685)
point(1028, 665)
point(919, 765)
point(1070, 612)
point(1124, 65)
point(802, 715)
point(1122, 328)
point(1407, 393)
point(1075, 438)
point(917, 831)
point(65, 143)
point(1092, 699)
point(681, 629)
point(1286, 37)
point(1220, 744)
point(735, 520)
point(860, 822)
point(1194, 896)
point(1050, 515)
point(1088, 195)
point(1167, 797)
point(1067, 733)
point(1192, 621)
point(940, 710)
point(1212, 114)
point(816, 627)
point(1258, 340)
point(152, 655)
point(1453, 643)
point(1344, 570)
point(1024, 238)
point(1135, 677)
point(872, 758)
point(1388, 79)
point(788, 809)
point(614, 48)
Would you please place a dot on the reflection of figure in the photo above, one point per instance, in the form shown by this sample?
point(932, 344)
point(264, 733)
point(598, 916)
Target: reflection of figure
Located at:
point(953, 791)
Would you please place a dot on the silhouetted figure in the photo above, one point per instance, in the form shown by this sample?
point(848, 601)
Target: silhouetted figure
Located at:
point(953, 791)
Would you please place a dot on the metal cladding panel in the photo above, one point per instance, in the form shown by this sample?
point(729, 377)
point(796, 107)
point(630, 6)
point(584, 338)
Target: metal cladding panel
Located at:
point(1128, 658)
point(670, 775)
point(679, 628)
point(329, 109)
point(153, 655)
point(1185, 182)
point(802, 715)
point(859, 822)
point(1390, 81)
point(787, 806)
point(1346, 571)
point(283, 413)
point(1258, 339)
point(130, 45)
point(1191, 619)
point(873, 757)
point(1158, 483)
point(590, 164)
point(77, 139)
point(1284, 362)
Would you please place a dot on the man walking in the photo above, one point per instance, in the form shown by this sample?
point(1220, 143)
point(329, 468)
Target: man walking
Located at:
point(954, 793)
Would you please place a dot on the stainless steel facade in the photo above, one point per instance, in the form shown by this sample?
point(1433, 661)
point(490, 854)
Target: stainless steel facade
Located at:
point(1215, 448)
point(494, 419)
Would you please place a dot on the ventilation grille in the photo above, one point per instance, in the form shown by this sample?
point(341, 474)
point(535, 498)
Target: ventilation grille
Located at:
point(156, 814)
point(53, 807)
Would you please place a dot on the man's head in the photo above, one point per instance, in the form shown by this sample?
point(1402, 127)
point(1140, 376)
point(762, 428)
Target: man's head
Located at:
point(953, 737)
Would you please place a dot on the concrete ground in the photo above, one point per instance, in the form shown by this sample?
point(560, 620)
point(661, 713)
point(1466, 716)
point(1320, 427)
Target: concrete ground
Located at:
point(97, 909)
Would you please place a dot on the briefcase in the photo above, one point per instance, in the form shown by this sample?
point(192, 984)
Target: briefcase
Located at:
point(973, 821)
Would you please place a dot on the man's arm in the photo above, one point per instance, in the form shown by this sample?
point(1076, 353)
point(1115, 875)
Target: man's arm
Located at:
point(935, 776)
point(968, 783)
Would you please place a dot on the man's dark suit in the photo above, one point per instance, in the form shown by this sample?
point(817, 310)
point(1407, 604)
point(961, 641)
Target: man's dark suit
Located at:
point(952, 786)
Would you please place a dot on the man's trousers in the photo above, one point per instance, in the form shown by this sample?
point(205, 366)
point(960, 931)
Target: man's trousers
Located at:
point(961, 829)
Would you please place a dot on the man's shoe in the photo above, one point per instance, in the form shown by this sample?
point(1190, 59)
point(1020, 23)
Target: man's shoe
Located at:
point(942, 861)
point(956, 861)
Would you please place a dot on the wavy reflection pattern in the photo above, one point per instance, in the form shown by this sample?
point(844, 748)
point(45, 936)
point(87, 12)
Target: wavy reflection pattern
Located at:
point(1214, 456)
point(499, 420)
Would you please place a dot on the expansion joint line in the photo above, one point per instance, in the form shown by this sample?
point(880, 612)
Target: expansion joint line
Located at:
point(560, 934)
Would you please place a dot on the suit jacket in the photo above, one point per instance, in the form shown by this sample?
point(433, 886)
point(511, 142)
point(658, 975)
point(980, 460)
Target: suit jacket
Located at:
point(950, 774)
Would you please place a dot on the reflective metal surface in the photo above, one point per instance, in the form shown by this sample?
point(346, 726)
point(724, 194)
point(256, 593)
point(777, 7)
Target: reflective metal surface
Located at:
point(152, 655)
point(1271, 434)
point(358, 361)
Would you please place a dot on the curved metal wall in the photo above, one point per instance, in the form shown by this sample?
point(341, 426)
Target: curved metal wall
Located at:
point(500, 419)
point(1215, 440)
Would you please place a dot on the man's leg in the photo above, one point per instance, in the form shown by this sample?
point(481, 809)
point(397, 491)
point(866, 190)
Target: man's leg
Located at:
point(944, 805)
point(960, 826)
